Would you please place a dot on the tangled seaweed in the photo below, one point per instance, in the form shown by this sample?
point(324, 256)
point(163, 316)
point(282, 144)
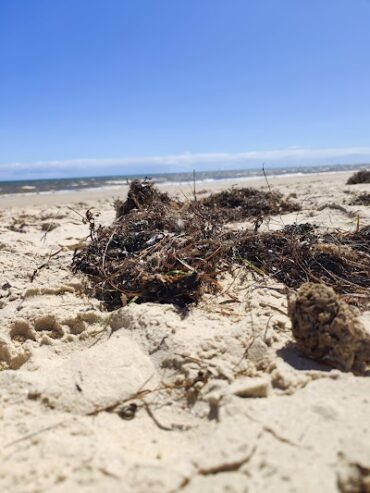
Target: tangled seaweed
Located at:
point(242, 203)
point(156, 251)
point(299, 254)
point(361, 199)
point(362, 176)
point(162, 250)
point(141, 195)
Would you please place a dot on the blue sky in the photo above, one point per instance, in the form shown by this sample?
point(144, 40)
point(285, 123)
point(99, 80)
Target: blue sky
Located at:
point(120, 86)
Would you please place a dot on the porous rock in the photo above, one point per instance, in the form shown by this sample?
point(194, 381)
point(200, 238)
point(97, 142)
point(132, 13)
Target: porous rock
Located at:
point(327, 328)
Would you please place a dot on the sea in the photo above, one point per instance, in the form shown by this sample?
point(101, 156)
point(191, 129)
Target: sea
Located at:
point(60, 185)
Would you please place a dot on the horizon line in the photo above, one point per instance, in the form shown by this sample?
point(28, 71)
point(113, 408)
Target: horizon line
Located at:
point(187, 161)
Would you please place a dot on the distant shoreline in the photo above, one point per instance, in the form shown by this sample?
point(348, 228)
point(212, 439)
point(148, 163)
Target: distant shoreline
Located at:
point(96, 196)
point(116, 182)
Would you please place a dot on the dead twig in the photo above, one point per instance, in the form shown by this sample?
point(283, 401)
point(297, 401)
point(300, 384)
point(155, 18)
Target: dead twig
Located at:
point(45, 264)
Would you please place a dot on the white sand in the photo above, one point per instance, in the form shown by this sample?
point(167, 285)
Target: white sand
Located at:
point(272, 421)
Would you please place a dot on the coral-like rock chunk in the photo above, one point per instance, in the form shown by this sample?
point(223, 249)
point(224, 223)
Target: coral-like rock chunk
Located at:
point(327, 328)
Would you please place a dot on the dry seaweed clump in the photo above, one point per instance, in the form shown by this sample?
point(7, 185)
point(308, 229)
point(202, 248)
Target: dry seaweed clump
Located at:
point(358, 241)
point(156, 251)
point(159, 249)
point(298, 254)
point(361, 199)
point(328, 329)
point(362, 176)
point(141, 195)
point(242, 203)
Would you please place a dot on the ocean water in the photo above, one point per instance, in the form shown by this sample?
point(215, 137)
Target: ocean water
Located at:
point(59, 185)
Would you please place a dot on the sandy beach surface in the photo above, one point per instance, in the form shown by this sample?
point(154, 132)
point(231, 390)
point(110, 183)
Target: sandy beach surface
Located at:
point(264, 419)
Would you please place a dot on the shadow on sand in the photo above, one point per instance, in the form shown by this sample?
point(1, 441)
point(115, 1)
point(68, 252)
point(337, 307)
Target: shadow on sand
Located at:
point(291, 355)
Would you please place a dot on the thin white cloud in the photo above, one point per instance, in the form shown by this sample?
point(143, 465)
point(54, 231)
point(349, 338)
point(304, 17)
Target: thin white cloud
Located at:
point(185, 161)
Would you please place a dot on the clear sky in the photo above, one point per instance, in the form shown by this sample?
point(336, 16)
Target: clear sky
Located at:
point(101, 86)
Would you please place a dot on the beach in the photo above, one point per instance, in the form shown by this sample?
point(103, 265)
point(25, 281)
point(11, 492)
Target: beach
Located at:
point(259, 416)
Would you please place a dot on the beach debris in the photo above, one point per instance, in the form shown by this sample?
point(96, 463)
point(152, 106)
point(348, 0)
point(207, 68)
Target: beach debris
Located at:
point(127, 411)
point(326, 328)
point(162, 250)
point(141, 195)
point(298, 254)
point(45, 264)
point(156, 251)
point(361, 199)
point(48, 226)
point(362, 176)
point(237, 204)
point(353, 476)
point(18, 226)
point(336, 207)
